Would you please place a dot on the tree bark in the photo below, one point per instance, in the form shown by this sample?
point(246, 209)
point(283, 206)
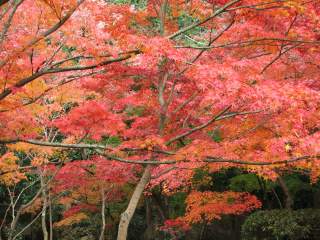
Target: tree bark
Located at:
point(162, 16)
point(288, 198)
point(50, 216)
point(148, 231)
point(103, 215)
point(159, 206)
point(44, 209)
point(127, 215)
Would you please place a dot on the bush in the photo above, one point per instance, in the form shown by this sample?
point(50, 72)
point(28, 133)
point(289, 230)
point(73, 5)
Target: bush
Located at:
point(282, 225)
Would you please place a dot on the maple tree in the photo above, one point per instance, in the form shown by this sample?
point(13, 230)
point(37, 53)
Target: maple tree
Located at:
point(181, 84)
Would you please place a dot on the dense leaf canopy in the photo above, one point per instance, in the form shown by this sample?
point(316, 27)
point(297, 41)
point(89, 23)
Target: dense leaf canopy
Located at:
point(94, 91)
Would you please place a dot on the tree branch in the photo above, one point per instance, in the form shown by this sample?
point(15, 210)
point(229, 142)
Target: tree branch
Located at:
point(9, 21)
point(37, 39)
point(36, 75)
point(209, 159)
point(202, 126)
point(257, 40)
point(216, 13)
point(69, 79)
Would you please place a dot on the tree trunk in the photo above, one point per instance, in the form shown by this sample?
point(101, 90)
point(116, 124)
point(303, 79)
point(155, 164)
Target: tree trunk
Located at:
point(103, 215)
point(127, 215)
point(148, 212)
point(159, 206)
point(50, 217)
point(148, 233)
point(44, 209)
point(288, 198)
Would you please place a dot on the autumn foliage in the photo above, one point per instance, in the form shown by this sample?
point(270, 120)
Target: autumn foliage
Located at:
point(177, 85)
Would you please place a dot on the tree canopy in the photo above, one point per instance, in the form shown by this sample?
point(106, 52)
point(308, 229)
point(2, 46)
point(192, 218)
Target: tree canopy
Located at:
point(97, 94)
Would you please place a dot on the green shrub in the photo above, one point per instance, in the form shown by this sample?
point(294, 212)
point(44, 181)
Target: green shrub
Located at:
point(282, 225)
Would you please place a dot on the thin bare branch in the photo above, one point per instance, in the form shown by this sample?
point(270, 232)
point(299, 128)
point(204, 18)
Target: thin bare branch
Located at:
point(202, 126)
point(6, 92)
point(7, 24)
point(209, 159)
point(215, 14)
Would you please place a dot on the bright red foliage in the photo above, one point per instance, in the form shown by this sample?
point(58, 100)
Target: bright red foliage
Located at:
point(92, 119)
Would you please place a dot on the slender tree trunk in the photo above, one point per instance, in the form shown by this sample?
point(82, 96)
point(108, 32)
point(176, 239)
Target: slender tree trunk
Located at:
point(20, 210)
point(4, 218)
point(14, 217)
point(127, 215)
point(149, 230)
point(148, 211)
point(44, 209)
point(277, 197)
point(159, 206)
point(288, 198)
point(50, 216)
point(103, 215)
point(162, 16)
point(203, 230)
point(263, 190)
